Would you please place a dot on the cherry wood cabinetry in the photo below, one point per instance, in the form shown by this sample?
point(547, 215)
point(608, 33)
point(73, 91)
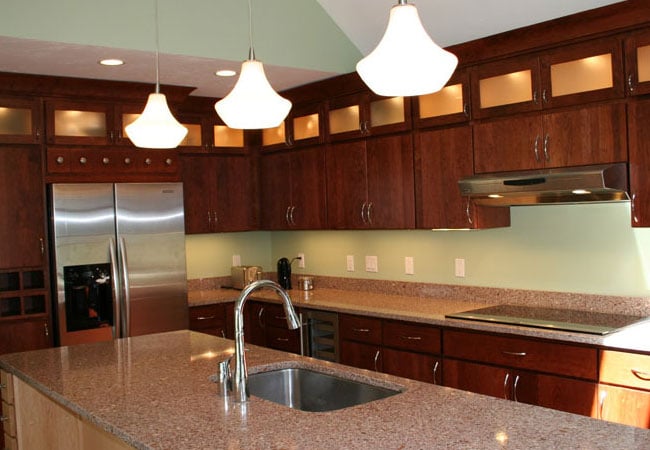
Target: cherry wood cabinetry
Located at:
point(20, 121)
point(639, 154)
point(360, 341)
point(292, 189)
point(442, 157)
point(266, 325)
point(554, 375)
point(218, 193)
point(370, 183)
point(587, 135)
point(304, 126)
point(637, 63)
point(447, 106)
point(217, 319)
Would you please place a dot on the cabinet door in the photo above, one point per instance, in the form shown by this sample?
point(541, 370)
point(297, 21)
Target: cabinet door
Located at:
point(391, 198)
point(308, 189)
point(209, 319)
point(364, 356)
point(346, 185)
point(198, 172)
point(623, 405)
point(22, 207)
point(479, 378)
point(24, 335)
point(514, 143)
point(388, 115)
point(415, 366)
point(347, 117)
point(275, 190)
point(20, 121)
point(78, 123)
point(590, 135)
point(254, 326)
point(448, 105)
point(637, 63)
point(563, 394)
point(234, 194)
point(639, 133)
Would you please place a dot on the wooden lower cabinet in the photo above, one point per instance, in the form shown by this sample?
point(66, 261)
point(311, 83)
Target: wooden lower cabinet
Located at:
point(624, 405)
point(24, 334)
point(217, 319)
point(415, 366)
point(265, 324)
point(361, 355)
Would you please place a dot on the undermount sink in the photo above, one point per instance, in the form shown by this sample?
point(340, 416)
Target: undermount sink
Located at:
point(308, 390)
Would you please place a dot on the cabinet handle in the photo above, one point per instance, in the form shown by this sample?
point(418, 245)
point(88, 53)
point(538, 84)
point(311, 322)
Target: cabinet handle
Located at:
point(168, 162)
point(547, 138)
point(216, 218)
point(286, 215)
point(46, 329)
point(223, 333)
point(412, 338)
point(4, 419)
point(369, 213)
point(60, 160)
point(466, 109)
point(83, 160)
point(260, 313)
point(536, 148)
point(435, 372)
point(293, 208)
point(535, 96)
point(280, 317)
point(3, 386)
point(515, 388)
point(105, 160)
point(544, 98)
point(632, 203)
point(505, 386)
point(282, 339)
point(209, 219)
point(469, 216)
point(147, 161)
point(206, 317)
point(376, 359)
point(38, 133)
point(513, 353)
point(127, 161)
point(111, 136)
point(630, 82)
point(40, 240)
point(601, 403)
point(645, 376)
point(361, 330)
point(363, 216)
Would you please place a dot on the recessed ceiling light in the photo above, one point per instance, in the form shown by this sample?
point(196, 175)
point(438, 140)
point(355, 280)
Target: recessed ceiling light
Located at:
point(111, 62)
point(225, 73)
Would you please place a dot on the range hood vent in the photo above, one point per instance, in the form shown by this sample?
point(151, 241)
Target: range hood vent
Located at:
point(602, 183)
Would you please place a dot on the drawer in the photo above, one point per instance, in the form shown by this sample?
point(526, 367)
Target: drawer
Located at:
point(9, 425)
point(625, 369)
point(274, 315)
point(207, 317)
point(409, 336)
point(551, 357)
point(359, 328)
point(7, 387)
point(283, 339)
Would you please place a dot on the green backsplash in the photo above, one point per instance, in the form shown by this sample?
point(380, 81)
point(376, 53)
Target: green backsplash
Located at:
point(568, 248)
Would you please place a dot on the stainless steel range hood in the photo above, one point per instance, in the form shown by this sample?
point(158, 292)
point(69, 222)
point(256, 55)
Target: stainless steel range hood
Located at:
point(602, 183)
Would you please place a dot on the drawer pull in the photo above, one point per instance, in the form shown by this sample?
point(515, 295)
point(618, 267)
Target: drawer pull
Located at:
point(361, 330)
point(281, 317)
point(412, 338)
point(513, 353)
point(435, 372)
point(645, 376)
point(4, 419)
point(376, 359)
point(514, 390)
point(3, 386)
point(505, 386)
point(282, 339)
point(206, 317)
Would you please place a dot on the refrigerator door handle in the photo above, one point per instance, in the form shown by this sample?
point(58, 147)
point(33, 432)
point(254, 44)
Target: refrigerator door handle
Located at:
point(126, 316)
point(117, 330)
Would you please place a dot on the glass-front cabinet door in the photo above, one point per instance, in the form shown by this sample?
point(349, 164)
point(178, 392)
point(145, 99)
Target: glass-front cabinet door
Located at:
point(448, 105)
point(79, 123)
point(20, 121)
point(637, 63)
point(303, 126)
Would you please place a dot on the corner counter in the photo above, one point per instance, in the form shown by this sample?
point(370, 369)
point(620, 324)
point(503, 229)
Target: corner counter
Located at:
point(154, 392)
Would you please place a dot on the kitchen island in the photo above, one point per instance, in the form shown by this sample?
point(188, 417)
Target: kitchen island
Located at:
point(155, 392)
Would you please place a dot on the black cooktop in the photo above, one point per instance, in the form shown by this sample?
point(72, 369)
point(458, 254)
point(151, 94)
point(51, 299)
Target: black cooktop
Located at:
point(552, 318)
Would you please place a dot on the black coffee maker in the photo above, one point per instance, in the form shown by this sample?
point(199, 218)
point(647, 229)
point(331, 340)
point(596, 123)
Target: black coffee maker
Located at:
point(284, 273)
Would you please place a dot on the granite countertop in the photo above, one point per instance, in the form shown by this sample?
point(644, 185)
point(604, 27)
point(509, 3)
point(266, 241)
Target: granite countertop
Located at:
point(154, 392)
point(427, 310)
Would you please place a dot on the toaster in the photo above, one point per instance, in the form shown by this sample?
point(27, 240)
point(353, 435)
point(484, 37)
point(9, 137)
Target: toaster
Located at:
point(242, 276)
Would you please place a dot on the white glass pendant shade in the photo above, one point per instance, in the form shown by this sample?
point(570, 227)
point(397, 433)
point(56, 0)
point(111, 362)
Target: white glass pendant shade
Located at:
point(156, 127)
point(406, 62)
point(252, 104)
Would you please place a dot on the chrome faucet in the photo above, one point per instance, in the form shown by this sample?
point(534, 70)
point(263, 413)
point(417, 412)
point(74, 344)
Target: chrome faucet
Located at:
point(239, 377)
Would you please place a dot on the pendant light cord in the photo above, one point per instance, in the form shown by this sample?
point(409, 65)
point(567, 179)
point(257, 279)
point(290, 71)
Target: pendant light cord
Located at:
point(157, 48)
point(251, 51)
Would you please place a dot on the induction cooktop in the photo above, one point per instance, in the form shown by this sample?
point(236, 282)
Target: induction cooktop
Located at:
point(552, 318)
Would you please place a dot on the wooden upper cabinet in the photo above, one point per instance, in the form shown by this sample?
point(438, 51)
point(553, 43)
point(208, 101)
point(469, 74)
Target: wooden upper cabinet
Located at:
point(637, 63)
point(206, 133)
point(639, 154)
point(72, 123)
point(365, 114)
point(449, 105)
point(303, 126)
point(586, 72)
point(20, 121)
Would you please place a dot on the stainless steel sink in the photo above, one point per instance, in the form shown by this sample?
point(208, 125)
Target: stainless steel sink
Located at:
point(308, 390)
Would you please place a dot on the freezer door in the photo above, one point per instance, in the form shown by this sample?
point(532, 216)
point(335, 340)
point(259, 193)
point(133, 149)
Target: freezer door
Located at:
point(84, 238)
point(151, 249)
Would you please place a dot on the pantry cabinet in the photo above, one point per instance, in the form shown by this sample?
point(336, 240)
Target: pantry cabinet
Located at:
point(586, 135)
point(292, 189)
point(370, 183)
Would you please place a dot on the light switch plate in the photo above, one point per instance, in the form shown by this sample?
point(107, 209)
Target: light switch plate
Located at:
point(459, 267)
point(371, 264)
point(409, 265)
point(236, 260)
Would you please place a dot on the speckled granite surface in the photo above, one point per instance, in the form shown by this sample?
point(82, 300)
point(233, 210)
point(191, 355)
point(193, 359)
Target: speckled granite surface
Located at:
point(154, 392)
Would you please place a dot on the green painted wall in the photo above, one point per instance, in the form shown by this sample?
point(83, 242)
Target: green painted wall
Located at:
point(565, 248)
point(211, 29)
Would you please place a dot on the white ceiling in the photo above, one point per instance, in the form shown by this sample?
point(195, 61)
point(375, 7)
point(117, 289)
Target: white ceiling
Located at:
point(362, 21)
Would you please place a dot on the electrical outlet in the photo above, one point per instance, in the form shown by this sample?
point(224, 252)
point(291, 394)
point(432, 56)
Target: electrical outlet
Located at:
point(409, 265)
point(459, 267)
point(236, 260)
point(349, 263)
point(371, 264)
point(301, 261)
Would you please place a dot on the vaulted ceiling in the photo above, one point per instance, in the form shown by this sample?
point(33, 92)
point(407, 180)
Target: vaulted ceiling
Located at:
point(299, 41)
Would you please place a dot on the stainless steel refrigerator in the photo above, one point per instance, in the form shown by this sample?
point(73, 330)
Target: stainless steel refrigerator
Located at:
point(119, 260)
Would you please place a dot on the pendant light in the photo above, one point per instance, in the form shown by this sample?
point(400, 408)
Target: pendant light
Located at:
point(156, 127)
point(406, 61)
point(252, 104)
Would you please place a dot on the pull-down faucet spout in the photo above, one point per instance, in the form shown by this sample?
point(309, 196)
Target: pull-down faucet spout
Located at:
point(239, 377)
